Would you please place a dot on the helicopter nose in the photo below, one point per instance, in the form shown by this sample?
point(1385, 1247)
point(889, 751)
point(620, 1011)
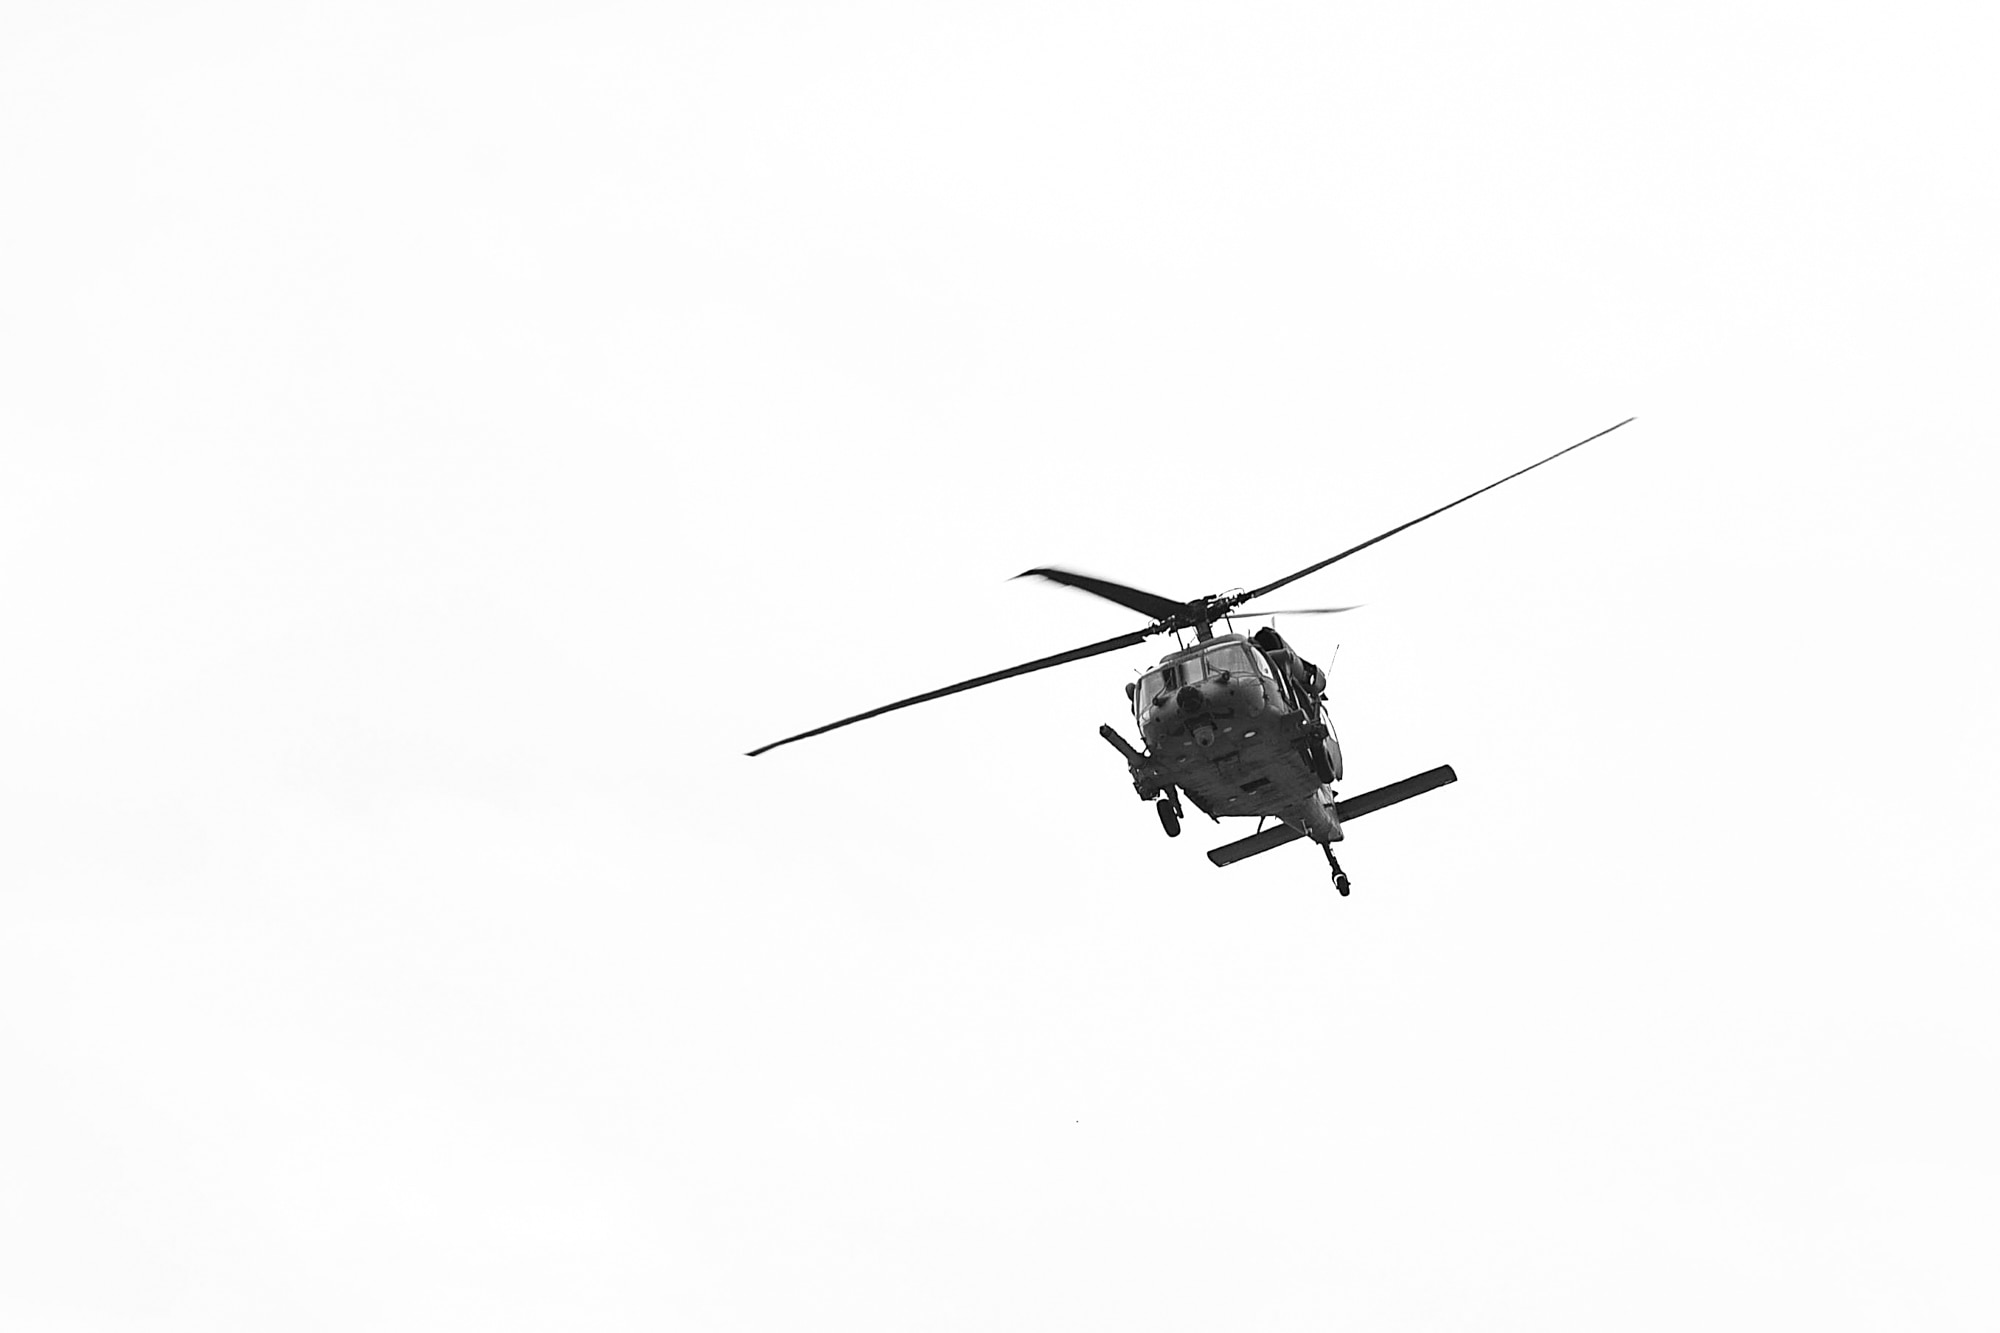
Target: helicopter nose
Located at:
point(1189, 699)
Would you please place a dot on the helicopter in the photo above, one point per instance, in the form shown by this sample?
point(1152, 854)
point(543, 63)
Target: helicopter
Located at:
point(1237, 724)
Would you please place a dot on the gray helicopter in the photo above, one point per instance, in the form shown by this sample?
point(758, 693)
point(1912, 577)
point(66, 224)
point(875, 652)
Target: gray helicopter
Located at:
point(1237, 724)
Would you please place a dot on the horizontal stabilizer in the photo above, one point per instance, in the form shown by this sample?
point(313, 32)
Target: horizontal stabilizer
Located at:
point(1366, 803)
point(1275, 836)
point(1370, 801)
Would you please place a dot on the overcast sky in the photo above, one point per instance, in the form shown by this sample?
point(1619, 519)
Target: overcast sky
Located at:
point(436, 440)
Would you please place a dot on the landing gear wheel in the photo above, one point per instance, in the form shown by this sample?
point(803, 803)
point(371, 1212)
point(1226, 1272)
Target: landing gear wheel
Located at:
point(1170, 819)
point(1340, 883)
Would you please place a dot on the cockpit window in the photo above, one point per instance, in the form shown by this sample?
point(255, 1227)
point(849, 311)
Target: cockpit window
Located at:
point(1230, 657)
point(1167, 677)
point(1234, 658)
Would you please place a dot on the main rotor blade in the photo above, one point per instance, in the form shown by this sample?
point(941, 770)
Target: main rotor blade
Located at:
point(1303, 611)
point(1312, 569)
point(1145, 603)
point(1073, 655)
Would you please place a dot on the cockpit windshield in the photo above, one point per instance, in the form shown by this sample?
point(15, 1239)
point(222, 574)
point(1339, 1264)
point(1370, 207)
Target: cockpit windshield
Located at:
point(1230, 657)
point(1235, 658)
point(1157, 681)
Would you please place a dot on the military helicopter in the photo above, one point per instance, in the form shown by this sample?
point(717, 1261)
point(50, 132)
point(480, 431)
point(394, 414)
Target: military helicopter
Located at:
point(1237, 724)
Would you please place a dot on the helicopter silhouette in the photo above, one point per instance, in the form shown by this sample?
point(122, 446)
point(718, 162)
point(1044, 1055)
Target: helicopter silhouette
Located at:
point(1235, 723)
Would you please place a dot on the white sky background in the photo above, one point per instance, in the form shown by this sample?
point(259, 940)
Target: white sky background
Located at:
point(438, 440)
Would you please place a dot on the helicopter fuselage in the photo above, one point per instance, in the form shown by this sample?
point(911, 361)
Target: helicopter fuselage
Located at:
point(1239, 728)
